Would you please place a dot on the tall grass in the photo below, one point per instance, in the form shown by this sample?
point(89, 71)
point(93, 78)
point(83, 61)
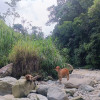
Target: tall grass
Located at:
point(25, 58)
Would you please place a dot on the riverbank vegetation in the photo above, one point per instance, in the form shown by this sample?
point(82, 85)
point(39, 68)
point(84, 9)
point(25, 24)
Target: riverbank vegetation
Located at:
point(75, 40)
point(28, 53)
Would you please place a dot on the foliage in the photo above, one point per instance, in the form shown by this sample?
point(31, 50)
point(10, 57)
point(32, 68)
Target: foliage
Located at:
point(24, 57)
point(78, 30)
point(19, 28)
point(28, 52)
point(7, 39)
point(94, 11)
point(68, 10)
point(93, 57)
point(29, 56)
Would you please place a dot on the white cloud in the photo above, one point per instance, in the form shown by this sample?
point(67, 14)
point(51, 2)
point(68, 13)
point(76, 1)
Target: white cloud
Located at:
point(35, 11)
point(3, 6)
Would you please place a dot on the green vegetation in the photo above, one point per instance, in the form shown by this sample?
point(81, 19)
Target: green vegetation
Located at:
point(29, 53)
point(7, 39)
point(30, 56)
point(78, 30)
point(76, 37)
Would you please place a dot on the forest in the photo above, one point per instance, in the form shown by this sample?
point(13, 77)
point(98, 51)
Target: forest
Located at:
point(77, 33)
point(74, 40)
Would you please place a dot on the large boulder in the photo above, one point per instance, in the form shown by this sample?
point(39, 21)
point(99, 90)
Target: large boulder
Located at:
point(6, 70)
point(34, 96)
point(22, 88)
point(42, 89)
point(55, 93)
point(6, 85)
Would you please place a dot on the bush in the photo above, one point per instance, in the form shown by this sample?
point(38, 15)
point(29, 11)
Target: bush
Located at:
point(29, 56)
point(25, 58)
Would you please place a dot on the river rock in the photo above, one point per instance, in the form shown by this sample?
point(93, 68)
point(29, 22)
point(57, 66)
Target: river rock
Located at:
point(34, 96)
point(77, 98)
point(55, 93)
point(6, 85)
point(93, 83)
point(70, 91)
point(8, 97)
point(85, 87)
point(6, 70)
point(42, 89)
point(22, 88)
point(70, 85)
point(2, 98)
point(21, 99)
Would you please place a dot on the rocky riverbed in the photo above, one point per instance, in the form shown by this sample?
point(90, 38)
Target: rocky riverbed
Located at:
point(82, 85)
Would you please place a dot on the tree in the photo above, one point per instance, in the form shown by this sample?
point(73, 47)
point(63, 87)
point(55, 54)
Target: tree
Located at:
point(67, 11)
point(93, 49)
point(94, 15)
point(11, 11)
point(19, 28)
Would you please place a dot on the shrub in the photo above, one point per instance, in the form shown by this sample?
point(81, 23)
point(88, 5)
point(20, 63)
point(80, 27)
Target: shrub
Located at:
point(29, 56)
point(50, 57)
point(25, 58)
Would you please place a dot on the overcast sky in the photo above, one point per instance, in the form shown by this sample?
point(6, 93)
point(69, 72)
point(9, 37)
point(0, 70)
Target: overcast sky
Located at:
point(33, 10)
